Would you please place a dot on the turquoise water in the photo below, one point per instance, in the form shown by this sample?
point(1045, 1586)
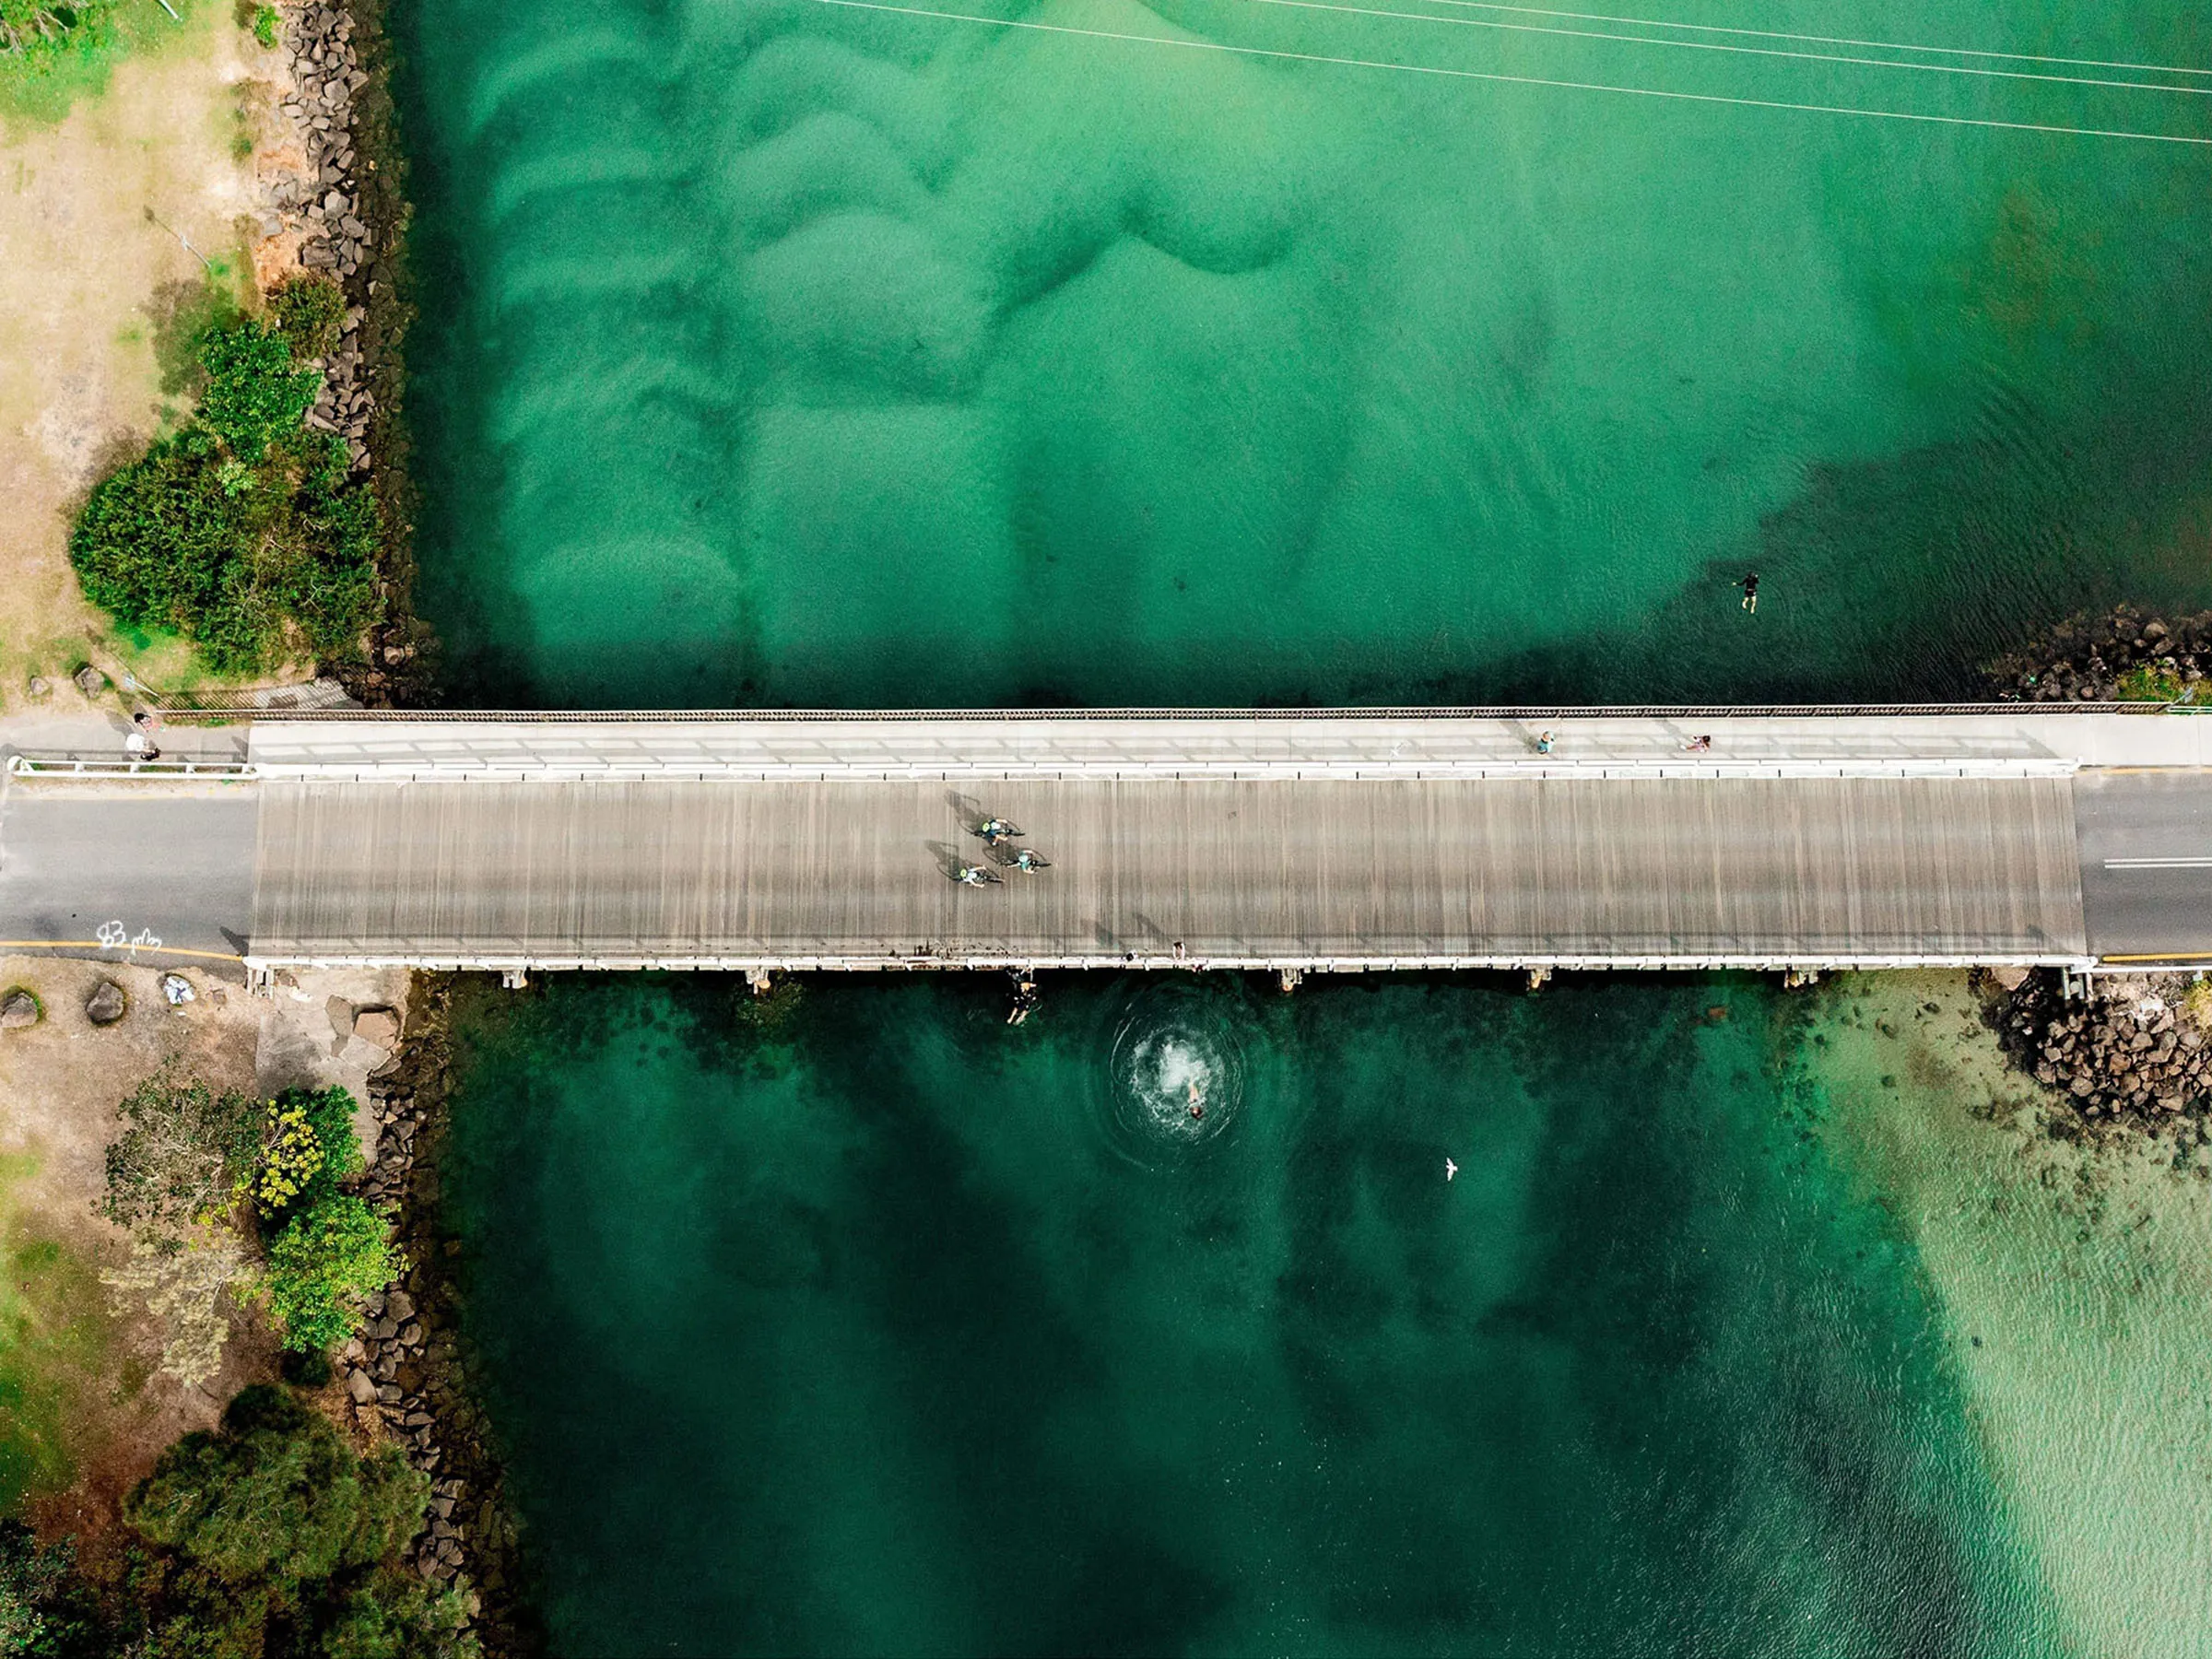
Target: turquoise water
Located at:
point(779, 352)
point(890, 1330)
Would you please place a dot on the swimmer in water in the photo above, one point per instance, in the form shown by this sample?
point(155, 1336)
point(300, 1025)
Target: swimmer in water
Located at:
point(1197, 1105)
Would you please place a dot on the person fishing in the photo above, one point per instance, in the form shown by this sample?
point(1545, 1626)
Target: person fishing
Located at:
point(1751, 586)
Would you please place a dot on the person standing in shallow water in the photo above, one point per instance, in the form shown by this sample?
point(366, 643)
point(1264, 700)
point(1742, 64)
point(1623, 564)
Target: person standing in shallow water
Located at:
point(1751, 586)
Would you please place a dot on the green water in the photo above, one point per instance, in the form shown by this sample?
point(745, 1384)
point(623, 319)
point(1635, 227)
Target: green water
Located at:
point(938, 1342)
point(784, 354)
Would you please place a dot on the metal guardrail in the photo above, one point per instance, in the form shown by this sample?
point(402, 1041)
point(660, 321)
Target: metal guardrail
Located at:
point(1463, 711)
point(78, 766)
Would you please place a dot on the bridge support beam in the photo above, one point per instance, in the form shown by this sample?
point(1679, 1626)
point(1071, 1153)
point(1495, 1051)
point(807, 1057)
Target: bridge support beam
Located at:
point(514, 978)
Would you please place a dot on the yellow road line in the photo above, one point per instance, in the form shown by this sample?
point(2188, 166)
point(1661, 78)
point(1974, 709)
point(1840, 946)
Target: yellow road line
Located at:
point(212, 955)
point(2163, 956)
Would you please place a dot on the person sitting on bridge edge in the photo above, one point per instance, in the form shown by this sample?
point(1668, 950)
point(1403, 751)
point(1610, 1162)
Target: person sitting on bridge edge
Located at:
point(1751, 586)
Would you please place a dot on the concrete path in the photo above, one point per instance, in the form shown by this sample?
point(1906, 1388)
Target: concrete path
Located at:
point(1256, 745)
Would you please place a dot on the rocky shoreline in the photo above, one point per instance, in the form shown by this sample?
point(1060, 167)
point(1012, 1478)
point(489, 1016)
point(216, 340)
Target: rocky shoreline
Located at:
point(406, 1374)
point(2123, 656)
point(2131, 1052)
point(347, 214)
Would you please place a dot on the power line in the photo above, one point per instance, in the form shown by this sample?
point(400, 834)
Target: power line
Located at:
point(1516, 80)
point(1815, 40)
point(1770, 52)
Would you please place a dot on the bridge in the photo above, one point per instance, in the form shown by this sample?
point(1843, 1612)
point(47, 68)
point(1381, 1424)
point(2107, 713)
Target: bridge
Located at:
point(1329, 841)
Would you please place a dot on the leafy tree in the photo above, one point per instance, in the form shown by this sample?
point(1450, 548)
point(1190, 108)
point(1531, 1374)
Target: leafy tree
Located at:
point(193, 540)
point(29, 1577)
point(180, 1159)
point(274, 1497)
point(396, 1616)
point(311, 1147)
point(322, 1264)
point(310, 309)
point(282, 1541)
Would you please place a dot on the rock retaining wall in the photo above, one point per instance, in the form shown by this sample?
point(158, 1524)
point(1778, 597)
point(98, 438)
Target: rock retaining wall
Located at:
point(406, 1372)
point(325, 201)
point(2084, 658)
point(347, 213)
point(2125, 1053)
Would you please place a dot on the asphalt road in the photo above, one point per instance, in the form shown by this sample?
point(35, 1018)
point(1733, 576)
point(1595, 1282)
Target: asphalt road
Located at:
point(2146, 842)
point(93, 863)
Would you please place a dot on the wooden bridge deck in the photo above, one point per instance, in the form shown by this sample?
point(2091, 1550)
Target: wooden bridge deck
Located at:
point(1255, 872)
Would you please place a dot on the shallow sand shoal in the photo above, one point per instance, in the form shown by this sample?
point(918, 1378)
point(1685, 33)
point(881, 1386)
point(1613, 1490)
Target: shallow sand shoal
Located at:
point(2075, 1279)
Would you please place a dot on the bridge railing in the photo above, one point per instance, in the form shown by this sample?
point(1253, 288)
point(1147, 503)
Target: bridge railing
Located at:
point(93, 769)
point(213, 711)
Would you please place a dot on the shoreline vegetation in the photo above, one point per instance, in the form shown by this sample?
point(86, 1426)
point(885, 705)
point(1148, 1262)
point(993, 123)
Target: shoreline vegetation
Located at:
point(274, 526)
point(274, 523)
point(275, 1532)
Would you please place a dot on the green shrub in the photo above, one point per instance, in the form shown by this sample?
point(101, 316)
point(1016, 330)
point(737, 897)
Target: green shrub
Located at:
point(30, 1578)
point(310, 309)
point(266, 24)
point(182, 1157)
point(254, 393)
point(322, 1264)
point(246, 557)
point(291, 1158)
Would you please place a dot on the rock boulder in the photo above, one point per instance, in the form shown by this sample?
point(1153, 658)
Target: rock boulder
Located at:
point(17, 1009)
point(377, 1026)
point(106, 1004)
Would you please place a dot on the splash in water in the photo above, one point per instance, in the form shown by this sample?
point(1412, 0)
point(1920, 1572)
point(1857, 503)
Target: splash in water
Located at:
point(1176, 1074)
